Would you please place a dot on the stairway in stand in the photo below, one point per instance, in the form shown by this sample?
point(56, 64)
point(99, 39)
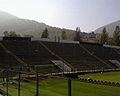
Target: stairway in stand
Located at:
point(63, 67)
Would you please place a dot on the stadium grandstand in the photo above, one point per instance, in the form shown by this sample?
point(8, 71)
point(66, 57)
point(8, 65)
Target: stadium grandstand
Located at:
point(50, 57)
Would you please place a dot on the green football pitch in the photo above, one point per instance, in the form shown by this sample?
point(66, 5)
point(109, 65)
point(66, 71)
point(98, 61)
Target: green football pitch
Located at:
point(107, 76)
point(58, 87)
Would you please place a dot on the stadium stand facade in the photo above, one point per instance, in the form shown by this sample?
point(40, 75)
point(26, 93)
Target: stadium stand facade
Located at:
point(38, 55)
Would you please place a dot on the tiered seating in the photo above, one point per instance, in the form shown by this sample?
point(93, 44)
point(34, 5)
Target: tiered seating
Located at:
point(38, 57)
point(77, 56)
point(104, 53)
point(6, 61)
point(32, 53)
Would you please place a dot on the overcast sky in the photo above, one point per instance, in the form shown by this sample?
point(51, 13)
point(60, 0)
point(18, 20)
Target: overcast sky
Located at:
point(87, 14)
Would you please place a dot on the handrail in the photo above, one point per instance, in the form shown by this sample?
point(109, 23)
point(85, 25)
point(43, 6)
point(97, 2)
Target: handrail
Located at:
point(16, 57)
point(92, 54)
point(117, 51)
point(56, 55)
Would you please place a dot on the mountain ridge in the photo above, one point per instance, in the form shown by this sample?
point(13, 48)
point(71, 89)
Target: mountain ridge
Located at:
point(109, 27)
point(21, 26)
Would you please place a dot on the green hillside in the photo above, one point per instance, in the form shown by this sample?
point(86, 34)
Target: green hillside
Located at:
point(9, 22)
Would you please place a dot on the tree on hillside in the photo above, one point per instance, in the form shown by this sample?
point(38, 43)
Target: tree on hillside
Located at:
point(77, 34)
point(6, 33)
point(28, 35)
point(45, 33)
point(11, 34)
point(63, 35)
point(104, 37)
point(116, 36)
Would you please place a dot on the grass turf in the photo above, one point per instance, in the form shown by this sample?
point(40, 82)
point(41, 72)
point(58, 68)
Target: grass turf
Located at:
point(105, 76)
point(58, 87)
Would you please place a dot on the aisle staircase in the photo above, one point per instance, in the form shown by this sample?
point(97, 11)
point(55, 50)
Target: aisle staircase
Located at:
point(62, 66)
point(116, 62)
